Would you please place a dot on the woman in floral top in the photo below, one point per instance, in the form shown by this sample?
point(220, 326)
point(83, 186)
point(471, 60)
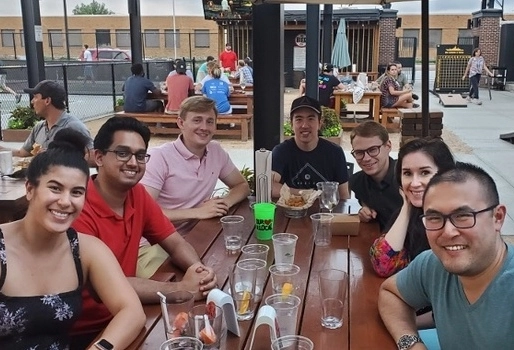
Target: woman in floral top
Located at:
point(44, 264)
point(418, 161)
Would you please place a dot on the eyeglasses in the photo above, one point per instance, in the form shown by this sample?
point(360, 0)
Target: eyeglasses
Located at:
point(373, 151)
point(468, 219)
point(125, 156)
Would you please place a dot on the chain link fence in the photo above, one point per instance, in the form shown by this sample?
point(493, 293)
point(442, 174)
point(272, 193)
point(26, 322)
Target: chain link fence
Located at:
point(87, 99)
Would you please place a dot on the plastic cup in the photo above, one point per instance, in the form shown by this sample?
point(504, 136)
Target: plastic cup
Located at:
point(6, 162)
point(260, 279)
point(284, 245)
point(255, 251)
point(321, 228)
point(264, 217)
point(178, 305)
point(286, 307)
point(182, 343)
point(242, 288)
point(233, 231)
point(284, 278)
point(292, 342)
point(197, 325)
point(333, 286)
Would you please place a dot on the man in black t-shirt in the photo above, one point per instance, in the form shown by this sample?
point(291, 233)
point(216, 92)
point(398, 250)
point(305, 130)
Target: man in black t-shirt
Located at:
point(307, 159)
point(327, 82)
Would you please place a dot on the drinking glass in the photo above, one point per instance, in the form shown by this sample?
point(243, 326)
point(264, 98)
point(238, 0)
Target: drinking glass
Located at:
point(329, 197)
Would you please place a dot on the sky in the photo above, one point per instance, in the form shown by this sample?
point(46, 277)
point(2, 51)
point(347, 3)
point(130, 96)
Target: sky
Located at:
point(194, 7)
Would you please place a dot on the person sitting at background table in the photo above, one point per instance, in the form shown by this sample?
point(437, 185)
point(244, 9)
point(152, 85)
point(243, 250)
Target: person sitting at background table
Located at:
point(135, 92)
point(392, 95)
point(327, 83)
point(181, 176)
point(119, 211)
point(179, 87)
point(210, 67)
point(187, 71)
point(243, 73)
point(375, 186)
point(467, 276)
point(49, 103)
point(219, 91)
point(306, 159)
point(418, 161)
point(202, 70)
point(50, 263)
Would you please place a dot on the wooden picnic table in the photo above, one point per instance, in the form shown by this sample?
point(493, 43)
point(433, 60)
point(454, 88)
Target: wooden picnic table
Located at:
point(373, 97)
point(13, 203)
point(362, 327)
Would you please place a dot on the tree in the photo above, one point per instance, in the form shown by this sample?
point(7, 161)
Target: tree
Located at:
point(94, 8)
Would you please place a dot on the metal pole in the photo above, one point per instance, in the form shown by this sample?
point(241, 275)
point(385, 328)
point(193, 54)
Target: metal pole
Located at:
point(33, 35)
point(66, 30)
point(327, 33)
point(136, 46)
point(424, 69)
point(312, 55)
point(174, 31)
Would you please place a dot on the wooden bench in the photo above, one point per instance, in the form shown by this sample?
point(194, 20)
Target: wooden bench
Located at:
point(387, 119)
point(243, 123)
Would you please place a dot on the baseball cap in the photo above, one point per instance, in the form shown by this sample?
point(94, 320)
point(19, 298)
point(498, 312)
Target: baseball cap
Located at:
point(327, 67)
point(306, 102)
point(49, 88)
point(181, 67)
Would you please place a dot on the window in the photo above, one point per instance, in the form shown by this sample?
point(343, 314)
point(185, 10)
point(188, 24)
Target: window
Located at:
point(465, 33)
point(152, 38)
point(434, 37)
point(55, 37)
point(170, 39)
point(75, 37)
point(7, 37)
point(122, 38)
point(202, 38)
point(411, 33)
point(103, 37)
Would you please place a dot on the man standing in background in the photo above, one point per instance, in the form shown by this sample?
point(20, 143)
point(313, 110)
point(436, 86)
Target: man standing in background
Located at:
point(88, 68)
point(4, 87)
point(228, 59)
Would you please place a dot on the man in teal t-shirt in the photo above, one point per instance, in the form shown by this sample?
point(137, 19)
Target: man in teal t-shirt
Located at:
point(467, 277)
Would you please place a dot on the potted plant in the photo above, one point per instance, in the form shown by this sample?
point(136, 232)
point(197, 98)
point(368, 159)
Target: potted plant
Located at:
point(330, 126)
point(249, 176)
point(120, 102)
point(19, 124)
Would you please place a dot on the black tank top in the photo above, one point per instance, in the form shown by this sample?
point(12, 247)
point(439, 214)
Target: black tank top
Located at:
point(39, 322)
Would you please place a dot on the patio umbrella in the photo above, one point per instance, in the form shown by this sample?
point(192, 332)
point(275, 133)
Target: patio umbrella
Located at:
point(340, 54)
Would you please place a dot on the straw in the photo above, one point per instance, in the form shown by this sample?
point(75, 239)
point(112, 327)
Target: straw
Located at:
point(164, 311)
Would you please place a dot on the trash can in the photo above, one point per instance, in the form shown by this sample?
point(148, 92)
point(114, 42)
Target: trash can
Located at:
point(499, 78)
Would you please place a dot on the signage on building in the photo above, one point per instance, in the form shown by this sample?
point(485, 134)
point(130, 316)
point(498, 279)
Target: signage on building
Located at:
point(451, 62)
point(300, 40)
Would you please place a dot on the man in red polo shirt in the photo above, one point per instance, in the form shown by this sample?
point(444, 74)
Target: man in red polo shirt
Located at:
point(119, 211)
point(228, 59)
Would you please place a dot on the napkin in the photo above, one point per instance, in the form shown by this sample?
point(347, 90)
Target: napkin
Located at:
point(309, 196)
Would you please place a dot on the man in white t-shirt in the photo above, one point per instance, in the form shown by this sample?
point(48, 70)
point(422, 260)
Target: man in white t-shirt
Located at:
point(88, 69)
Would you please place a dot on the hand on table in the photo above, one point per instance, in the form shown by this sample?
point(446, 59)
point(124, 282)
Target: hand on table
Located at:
point(199, 279)
point(214, 207)
point(367, 214)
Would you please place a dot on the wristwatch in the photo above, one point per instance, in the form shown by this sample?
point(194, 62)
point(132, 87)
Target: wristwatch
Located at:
point(406, 341)
point(103, 344)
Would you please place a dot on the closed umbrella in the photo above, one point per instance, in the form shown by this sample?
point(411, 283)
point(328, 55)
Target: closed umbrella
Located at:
point(340, 54)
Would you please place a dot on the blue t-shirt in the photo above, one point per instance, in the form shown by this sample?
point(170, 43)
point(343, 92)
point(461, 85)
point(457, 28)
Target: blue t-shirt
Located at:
point(485, 324)
point(135, 92)
point(219, 91)
point(300, 169)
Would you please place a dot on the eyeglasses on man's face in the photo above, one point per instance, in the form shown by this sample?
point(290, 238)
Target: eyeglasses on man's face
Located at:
point(125, 156)
point(460, 219)
point(373, 151)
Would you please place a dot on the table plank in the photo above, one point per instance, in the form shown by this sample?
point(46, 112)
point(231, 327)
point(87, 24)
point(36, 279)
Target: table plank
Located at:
point(364, 317)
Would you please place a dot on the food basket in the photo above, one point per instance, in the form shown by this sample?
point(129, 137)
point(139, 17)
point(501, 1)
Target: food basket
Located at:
point(296, 206)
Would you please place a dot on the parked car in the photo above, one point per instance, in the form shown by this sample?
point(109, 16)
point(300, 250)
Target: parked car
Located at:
point(109, 54)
